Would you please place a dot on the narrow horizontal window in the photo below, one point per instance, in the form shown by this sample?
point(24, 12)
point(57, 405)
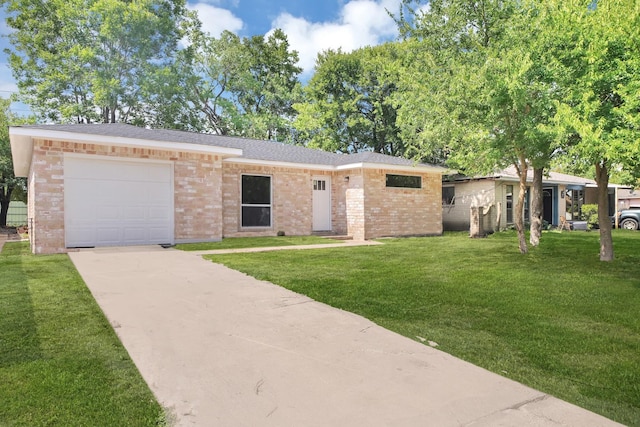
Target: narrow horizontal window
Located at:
point(404, 181)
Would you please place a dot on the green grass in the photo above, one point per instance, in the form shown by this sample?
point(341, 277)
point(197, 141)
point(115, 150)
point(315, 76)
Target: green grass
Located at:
point(61, 363)
point(557, 319)
point(256, 242)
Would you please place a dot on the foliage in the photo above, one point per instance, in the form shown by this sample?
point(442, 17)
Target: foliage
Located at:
point(347, 103)
point(590, 214)
point(598, 48)
point(11, 187)
point(566, 335)
point(481, 90)
point(90, 59)
point(60, 361)
point(242, 86)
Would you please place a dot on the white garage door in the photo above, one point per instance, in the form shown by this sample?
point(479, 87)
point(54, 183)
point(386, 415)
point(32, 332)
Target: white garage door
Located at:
point(117, 202)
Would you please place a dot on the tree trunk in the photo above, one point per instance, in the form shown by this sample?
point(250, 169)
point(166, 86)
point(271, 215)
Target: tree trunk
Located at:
point(536, 207)
point(5, 199)
point(519, 213)
point(606, 240)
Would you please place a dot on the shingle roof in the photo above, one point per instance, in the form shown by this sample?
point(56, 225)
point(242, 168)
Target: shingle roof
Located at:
point(551, 177)
point(251, 148)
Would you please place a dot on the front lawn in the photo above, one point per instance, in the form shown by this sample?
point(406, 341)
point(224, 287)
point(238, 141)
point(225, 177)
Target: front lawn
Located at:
point(557, 319)
point(61, 364)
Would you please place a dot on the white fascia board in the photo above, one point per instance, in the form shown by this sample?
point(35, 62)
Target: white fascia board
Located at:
point(415, 169)
point(255, 162)
point(21, 152)
point(125, 142)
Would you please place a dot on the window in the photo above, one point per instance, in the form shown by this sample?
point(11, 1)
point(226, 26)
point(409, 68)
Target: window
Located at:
point(509, 204)
point(527, 204)
point(574, 200)
point(256, 201)
point(448, 195)
point(404, 181)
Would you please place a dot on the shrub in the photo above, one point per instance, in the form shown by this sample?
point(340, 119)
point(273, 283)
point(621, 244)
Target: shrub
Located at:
point(590, 214)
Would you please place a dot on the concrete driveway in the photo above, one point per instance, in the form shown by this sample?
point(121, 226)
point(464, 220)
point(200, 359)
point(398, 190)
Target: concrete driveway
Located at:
point(219, 348)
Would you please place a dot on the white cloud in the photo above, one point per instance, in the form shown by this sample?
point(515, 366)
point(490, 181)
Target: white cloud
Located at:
point(215, 20)
point(360, 23)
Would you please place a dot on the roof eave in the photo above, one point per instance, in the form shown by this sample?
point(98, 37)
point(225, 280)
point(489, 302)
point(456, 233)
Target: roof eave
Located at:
point(406, 168)
point(21, 152)
point(123, 141)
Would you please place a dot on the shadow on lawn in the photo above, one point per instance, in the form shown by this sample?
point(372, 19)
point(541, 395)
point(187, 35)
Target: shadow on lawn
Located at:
point(19, 340)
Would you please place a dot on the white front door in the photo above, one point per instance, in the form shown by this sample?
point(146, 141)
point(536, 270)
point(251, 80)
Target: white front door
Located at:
point(321, 203)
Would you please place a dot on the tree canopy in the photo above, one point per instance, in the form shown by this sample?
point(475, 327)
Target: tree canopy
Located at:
point(347, 104)
point(243, 86)
point(89, 59)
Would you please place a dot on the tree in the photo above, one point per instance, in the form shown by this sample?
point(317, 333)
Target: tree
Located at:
point(87, 60)
point(598, 46)
point(9, 184)
point(348, 102)
point(477, 90)
point(243, 87)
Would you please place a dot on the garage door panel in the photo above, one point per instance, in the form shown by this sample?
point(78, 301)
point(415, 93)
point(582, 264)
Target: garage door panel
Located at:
point(120, 202)
point(158, 213)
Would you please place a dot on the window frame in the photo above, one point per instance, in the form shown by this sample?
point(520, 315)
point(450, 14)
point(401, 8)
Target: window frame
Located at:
point(256, 205)
point(509, 203)
point(449, 201)
point(419, 177)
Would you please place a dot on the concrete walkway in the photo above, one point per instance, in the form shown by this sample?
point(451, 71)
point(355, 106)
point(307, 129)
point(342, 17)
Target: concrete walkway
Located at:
point(220, 348)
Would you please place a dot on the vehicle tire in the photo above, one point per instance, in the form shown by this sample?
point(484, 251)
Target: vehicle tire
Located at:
point(629, 224)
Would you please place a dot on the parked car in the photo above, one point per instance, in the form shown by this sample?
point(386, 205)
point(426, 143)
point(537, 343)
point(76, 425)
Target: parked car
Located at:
point(629, 219)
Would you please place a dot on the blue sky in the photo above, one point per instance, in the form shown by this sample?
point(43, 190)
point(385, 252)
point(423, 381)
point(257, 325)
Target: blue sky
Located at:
point(311, 26)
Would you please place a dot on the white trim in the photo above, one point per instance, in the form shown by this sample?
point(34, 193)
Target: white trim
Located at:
point(418, 168)
point(292, 165)
point(123, 141)
point(323, 167)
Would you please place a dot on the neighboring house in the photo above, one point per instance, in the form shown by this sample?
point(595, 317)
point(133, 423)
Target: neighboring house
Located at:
point(116, 184)
point(496, 195)
point(628, 198)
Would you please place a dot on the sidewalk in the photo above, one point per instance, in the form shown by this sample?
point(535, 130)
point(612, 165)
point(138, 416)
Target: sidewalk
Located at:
point(344, 244)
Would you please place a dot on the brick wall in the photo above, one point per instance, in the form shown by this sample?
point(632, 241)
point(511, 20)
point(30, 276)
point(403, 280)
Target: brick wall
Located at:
point(291, 204)
point(197, 205)
point(392, 211)
point(339, 185)
point(207, 197)
point(355, 206)
point(46, 198)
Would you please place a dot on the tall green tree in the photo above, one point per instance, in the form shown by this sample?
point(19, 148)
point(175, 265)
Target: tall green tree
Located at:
point(598, 45)
point(348, 105)
point(476, 90)
point(243, 86)
point(86, 60)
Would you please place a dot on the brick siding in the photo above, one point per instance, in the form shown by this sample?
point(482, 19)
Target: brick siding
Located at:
point(197, 206)
point(207, 197)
